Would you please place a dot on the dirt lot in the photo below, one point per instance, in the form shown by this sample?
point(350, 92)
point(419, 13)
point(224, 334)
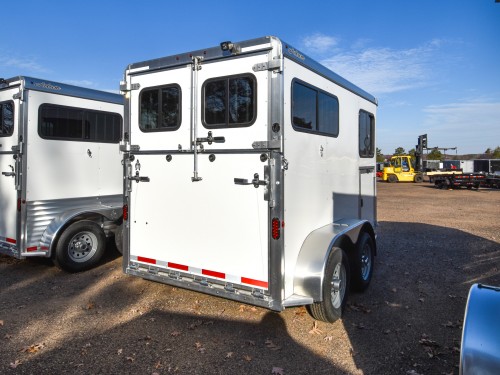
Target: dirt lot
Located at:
point(432, 246)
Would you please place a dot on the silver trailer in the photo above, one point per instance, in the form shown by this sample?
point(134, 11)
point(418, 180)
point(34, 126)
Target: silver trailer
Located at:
point(480, 349)
point(249, 174)
point(61, 174)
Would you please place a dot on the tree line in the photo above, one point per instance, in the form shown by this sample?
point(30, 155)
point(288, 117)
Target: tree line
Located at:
point(436, 154)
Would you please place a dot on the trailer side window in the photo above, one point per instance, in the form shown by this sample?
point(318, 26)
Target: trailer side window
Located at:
point(366, 134)
point(78, 124)
point(6, 118)
point(160, 109)
point(229, 102)
point(313, 110)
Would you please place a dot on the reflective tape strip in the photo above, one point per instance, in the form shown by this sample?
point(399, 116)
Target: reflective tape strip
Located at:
point(202, 271)
point(146, 260)
point(262, 284)
point(177, 266)
point(8, 240)
point(37, 248)
point(219, 275)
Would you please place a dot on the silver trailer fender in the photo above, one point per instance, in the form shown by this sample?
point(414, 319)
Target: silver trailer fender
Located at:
point(480, 353)
point(104, 211)
point(314, 253)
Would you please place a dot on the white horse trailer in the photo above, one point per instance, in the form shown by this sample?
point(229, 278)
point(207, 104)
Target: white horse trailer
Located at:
point(249, 174)
point(61, 182)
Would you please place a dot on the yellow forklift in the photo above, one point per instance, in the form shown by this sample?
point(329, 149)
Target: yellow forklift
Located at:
point(402, 168)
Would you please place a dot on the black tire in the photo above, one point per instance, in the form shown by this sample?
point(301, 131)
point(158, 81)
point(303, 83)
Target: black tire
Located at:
point(80, 247)
point(119, 239)
point(418, 178)
point(335, 288)
point(362, 263)
point(392, 178)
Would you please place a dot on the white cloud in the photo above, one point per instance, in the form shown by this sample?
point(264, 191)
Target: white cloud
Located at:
point(27, 65)
point(377, 70)
point(319, 43)
point(385, 70)
point(472, 126)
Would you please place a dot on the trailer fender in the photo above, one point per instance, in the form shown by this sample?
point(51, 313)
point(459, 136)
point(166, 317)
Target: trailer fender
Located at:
point(314, 253)
point(58, 223)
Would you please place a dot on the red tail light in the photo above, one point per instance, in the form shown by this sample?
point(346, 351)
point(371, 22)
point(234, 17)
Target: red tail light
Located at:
point(19, 205)
point(275, 228)
point(125, 212)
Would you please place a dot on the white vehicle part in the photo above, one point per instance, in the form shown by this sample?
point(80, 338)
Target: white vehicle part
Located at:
point(311, 262)
point(480, 353)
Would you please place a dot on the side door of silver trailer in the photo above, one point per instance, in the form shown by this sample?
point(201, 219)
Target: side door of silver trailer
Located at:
point(192, 211)
point(367, 194)
point(9, 168)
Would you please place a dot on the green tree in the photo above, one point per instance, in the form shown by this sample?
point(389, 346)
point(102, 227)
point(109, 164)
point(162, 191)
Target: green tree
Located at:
point(488, 151)
point(399, 151)
point(412, 152)
point(434, 155)
point(496, 153)
point(380, 156)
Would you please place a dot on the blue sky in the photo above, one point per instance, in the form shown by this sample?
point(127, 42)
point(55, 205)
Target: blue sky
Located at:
point(432, 64)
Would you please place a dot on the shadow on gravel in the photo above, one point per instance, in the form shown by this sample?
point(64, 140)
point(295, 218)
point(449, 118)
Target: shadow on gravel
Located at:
point(417, 298)
point(101, 321)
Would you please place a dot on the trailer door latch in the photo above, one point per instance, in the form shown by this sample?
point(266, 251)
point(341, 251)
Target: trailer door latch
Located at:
point(138, 178)
point(255, 182)
point(9, 174)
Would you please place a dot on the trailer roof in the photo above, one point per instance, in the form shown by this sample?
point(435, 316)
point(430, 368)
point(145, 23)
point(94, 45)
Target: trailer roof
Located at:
point(53, 87)
point(247, 47)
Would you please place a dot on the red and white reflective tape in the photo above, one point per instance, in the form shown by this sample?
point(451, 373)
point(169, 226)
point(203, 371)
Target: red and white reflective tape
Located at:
point(8, 240)
point(204, 272)
point(37, 248)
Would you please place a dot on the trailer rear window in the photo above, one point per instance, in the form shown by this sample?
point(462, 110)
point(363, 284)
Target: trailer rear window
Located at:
point(366, 135)
point(6, 118)
point(79, 124)
point(160, 109)
point(229, 102)
point(314, 110)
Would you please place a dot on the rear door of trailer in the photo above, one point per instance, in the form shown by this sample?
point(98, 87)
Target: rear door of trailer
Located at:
point(9, 164)
point(191, 217)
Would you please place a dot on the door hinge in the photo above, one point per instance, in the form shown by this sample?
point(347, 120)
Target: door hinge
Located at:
point(268, 65)
point(129, 148)
point(126, 86)
point(268, 145)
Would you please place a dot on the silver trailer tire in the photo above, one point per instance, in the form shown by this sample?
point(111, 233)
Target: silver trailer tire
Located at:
point(362, 263)
point(335, 288)
point(80, 247)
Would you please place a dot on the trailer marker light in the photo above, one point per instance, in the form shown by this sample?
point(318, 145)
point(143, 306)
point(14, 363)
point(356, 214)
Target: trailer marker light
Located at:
point(19, 205)
point(32, 248)
point(11, 240)
point(275, 228)
point(125, 212)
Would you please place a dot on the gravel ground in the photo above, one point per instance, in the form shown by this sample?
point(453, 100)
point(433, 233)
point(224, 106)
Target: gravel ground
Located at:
point(432, 246)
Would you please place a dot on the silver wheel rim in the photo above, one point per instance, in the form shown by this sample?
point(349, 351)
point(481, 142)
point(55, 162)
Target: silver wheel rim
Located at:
point(82, 247)
point(366, 261)
point(338, 285)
